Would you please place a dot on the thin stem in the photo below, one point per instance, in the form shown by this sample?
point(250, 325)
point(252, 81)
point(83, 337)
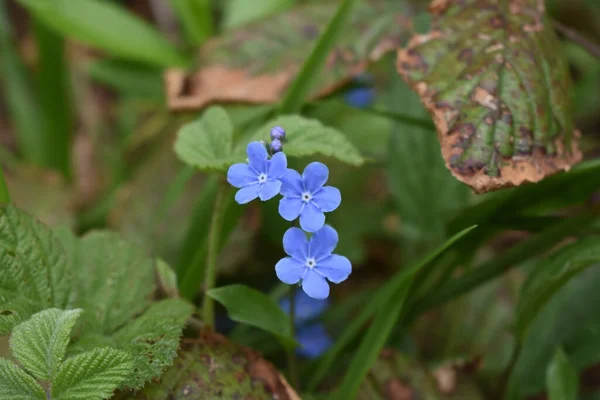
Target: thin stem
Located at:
point(210, 277)
point(576, 37)
point(4, 194)
point(291, 352)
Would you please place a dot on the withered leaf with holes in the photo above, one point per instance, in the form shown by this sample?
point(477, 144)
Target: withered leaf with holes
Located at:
point(492, 75)
point(256, 63)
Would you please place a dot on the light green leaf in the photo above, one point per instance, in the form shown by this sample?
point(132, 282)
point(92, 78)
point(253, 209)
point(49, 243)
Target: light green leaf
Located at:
point(561, 378)
point(15, 384)
point(130, 79)
point(91, 376)
point(40, 343)
point(115, 281)
point(166, 278)
point(153, 338)
point(552, 274)
point(240, 12)
point(108, 27)
point(249, 306)
point(307, 137)
point(196, 18)
point(34, 273)
point(206, 143)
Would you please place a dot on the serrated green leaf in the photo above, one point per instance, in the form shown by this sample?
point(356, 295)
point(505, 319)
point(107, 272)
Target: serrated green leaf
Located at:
point(15, 384)
point(249, 306)
point(115, 281)
point(91, 376)
point(561, 378)
point(493, 77)
point(106, 26)
point(552, 274)
point(153, 339)
point(306, 137)
point(34, 273)
point(40, 343)
point(206, 143)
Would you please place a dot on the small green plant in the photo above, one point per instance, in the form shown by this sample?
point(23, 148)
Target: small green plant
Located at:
point(40, 346)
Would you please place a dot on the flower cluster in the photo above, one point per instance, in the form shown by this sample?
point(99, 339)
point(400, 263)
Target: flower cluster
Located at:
point(304, 197)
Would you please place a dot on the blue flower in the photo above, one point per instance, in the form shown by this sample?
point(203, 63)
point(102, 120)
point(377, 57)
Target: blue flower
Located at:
point(307, 308)
point(311, 261)
point(306, 197)
point(360, 97)
point(314, 339)
point(261, 177)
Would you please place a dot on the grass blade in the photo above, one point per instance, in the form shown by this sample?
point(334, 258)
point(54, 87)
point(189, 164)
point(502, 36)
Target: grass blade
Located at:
point(300, 88)
point(53, 88)
point(196, 18)
point(383, 297)
point(4, 194)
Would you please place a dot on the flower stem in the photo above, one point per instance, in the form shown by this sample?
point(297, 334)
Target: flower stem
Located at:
point(4, 194)
point(292, 363)
point(210, 277)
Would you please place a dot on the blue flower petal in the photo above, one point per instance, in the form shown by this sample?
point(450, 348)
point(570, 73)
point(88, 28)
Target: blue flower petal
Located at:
point(270, 189)
point(247, 193)
point(257, 157)
point(315, 175)
point(315, 285)
point(289, 270)
point(312, 219)
point(314, 340)
point(240, 175)
point(336, 268)
point(328, 198)
point(290, 208)
point(307, 308)
point(322, 243)
point(295, 244)
point(277, 166)
point(292, 184)
point(360, 97)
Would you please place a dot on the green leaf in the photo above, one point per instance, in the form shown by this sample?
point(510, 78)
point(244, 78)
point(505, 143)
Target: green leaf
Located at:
point(40, 343)
point(249, 306)
point(4, 193)
point(386, 296)
point(561, 378)
point(552, 274)
point(106, 26)
point(152, 339)
point(307, 137)
point(115, 281)
point(498, 88)
point(301, 86)
point(166, 278)
point(15, 384)
point(259, 62)
point(206, 143)
point(196, 18)
point(34, 271)
point(91, 376)
point(240, 12)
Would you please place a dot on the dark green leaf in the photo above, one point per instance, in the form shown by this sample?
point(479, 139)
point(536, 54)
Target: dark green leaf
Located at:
point(249, 306)
point(130, 79)
point(15, 384)
point(196, 18)
point(257, 63)
point(108, 27)
point(561, 378)
point(4, 193)
point(206, 143)
point(307, 137)
point(497, 86)
point(552, 274)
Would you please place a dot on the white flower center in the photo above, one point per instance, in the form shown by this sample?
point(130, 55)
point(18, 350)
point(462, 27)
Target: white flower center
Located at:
point(311, 263)
point(306, 197)
point(262, 178)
